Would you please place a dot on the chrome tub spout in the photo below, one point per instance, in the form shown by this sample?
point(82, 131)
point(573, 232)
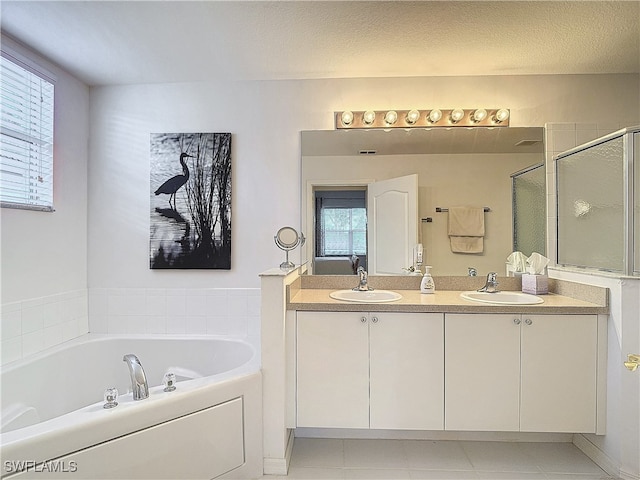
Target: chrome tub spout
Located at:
point(139, 385)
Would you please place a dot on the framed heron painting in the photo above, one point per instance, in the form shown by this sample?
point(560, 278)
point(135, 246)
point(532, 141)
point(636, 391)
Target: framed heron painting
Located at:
point(190, 201)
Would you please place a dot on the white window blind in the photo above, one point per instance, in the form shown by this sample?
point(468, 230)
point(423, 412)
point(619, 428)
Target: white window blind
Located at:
point(26, 137)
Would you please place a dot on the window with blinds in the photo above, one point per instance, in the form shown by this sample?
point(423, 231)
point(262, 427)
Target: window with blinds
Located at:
point(26, 136)
point(341, 223)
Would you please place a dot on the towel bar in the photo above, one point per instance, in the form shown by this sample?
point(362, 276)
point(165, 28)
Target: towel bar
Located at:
point(439, 209)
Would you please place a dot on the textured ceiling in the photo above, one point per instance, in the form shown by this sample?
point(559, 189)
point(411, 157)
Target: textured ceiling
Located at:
point(114, 42)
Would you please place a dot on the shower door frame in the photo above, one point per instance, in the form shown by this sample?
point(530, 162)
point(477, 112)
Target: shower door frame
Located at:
point(629, 149)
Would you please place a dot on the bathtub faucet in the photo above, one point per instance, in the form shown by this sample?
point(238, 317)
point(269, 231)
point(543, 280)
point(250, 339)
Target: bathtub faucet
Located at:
point(139, 385)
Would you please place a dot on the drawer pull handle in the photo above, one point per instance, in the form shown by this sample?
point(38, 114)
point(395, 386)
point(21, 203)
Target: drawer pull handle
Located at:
point(517, 321)
point(374, 319)
point(528, 321)
point(363, 319)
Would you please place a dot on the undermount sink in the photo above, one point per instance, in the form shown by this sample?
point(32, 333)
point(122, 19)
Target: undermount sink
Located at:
point(370, 296)
point(502, 298)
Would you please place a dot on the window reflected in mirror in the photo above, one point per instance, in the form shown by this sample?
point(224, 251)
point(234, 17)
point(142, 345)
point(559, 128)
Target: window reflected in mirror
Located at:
point(341, 231)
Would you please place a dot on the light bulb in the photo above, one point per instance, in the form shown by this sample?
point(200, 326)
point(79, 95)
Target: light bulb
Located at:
point(435, 115)
point(412, 117)
point(391, 117)
point(369, 117)
point(457, 115)
point(479, 115)
point(501, 115)
point(347, 118)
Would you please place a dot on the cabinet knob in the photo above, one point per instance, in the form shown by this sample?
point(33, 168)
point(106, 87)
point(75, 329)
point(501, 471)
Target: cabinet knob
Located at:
point(363, 319)
point(374, 319)
point(528, 321)
point(517, 321)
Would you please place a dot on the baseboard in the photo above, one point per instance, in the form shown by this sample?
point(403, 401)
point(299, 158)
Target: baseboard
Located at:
point(280, 466)
point(601, 459)
point(432, 435)
point(274, 466)
point(289, 449)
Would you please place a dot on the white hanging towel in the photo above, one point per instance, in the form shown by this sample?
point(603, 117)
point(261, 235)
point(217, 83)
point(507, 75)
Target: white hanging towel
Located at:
point(466, 229)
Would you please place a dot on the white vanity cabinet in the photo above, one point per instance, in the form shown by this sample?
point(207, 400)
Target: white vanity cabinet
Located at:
point(370, 370)
point(332, 370)
point(529, 373)
point(558, 373)
point(482, 372)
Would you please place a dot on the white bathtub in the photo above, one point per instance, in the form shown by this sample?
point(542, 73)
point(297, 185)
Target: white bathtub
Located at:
point(55, 426)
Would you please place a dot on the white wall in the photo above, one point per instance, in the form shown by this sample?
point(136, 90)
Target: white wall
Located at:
point(265, 119)
point(44, 255)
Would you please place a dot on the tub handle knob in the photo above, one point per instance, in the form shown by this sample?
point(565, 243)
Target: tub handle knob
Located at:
point(169, 381)
point(110, 398)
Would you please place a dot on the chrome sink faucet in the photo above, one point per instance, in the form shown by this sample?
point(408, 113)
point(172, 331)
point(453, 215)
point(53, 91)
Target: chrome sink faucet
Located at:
point(362, 286)
point(139, 385)
point(491, 286)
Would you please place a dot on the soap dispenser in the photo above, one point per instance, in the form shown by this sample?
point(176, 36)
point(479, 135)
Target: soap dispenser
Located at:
point(427, 285)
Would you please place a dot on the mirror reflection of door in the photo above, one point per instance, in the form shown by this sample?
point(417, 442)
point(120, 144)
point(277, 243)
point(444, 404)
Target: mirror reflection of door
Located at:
point(393, 224)
point(340, 230)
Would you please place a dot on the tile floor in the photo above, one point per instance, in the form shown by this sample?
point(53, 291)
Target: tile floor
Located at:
point(425, 459)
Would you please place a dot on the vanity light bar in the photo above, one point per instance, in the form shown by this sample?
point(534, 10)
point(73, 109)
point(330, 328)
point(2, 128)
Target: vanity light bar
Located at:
point(455, 117)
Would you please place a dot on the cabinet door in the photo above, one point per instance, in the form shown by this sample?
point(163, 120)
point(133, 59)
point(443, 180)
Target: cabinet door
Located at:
point(559, 354)
point(406, 371)
point(482, 372)
point(333, 369)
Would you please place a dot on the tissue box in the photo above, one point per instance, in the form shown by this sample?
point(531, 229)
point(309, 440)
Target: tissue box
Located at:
point(535, 284)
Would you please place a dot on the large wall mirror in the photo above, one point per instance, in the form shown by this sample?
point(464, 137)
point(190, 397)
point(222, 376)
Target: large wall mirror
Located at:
point(447, 167)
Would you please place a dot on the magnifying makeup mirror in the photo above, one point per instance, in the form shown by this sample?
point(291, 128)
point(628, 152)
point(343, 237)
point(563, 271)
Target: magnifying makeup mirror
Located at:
point(287, 239)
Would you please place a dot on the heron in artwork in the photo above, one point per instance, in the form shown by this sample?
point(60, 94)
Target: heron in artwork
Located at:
point(171, 186)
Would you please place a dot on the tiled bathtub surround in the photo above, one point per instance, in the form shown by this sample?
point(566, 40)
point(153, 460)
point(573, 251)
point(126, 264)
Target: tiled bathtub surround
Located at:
point(212, 311)
point(32, 325)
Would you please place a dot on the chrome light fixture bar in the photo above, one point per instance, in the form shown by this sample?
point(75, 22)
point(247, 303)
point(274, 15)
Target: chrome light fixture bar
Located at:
point(455, 117)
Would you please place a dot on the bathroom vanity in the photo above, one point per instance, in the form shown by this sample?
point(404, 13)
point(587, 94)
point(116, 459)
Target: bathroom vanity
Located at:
point(440, 362)
point(428, 365)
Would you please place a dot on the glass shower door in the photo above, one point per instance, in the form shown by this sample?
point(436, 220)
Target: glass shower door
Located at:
point(591, 207)
point(529, 196)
